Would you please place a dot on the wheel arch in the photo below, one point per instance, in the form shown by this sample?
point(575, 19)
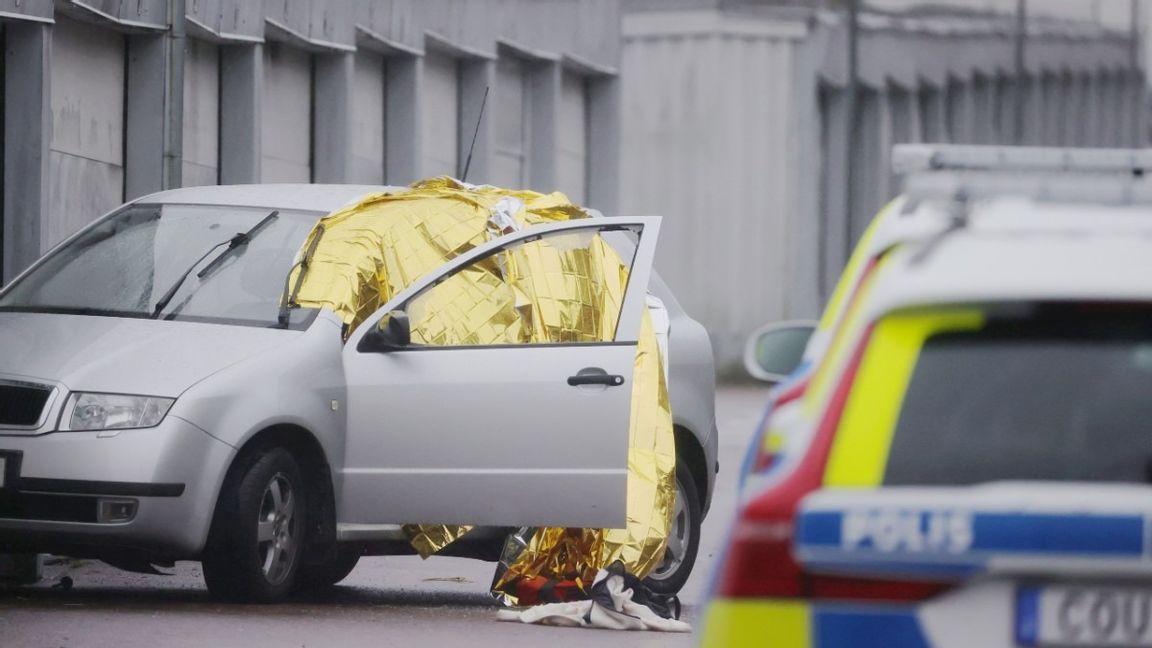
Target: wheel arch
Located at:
point(688, 448)
point(308, 451)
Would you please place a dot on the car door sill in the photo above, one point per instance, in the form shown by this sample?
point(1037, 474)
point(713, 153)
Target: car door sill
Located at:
point(346, 532)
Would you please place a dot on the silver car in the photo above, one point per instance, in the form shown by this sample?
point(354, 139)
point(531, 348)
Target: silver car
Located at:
point(157, 403)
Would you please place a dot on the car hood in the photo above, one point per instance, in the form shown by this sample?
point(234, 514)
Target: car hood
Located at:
point(123, 355)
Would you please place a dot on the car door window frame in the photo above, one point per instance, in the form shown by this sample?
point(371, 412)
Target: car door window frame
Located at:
point(627, 332)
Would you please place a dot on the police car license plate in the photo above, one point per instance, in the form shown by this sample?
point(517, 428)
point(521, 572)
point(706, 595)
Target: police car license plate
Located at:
point(1073, 615)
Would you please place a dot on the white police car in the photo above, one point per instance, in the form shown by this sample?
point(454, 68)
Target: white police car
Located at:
point(970, 457)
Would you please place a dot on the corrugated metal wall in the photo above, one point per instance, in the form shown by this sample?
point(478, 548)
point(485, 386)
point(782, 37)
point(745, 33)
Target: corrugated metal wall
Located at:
point(736, 130)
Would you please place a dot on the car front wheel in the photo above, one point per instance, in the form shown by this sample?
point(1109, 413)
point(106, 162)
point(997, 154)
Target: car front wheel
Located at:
point(683, 537)
point(259, 531)
point(329, 572)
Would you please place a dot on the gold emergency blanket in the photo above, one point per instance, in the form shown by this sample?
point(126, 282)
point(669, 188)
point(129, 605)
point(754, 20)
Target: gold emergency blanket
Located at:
point(565, 290)
point(558, 554)
point(374, 249)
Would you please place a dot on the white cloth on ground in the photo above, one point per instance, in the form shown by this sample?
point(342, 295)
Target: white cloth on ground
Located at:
point(625, 615)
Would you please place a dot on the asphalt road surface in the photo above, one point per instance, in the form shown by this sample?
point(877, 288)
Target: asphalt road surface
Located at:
point(392, 601)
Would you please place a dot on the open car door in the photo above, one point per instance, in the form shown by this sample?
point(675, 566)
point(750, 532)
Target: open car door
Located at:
point(477, 419)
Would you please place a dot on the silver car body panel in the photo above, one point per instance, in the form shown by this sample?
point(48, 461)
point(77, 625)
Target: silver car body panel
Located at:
point(124, 355)
point(172, 453)
point(465, 423)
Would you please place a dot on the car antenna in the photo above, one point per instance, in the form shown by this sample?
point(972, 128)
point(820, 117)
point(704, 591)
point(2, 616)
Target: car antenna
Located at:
point(479, 119)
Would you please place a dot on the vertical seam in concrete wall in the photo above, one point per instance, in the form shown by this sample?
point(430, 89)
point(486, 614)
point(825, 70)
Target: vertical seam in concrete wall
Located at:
point(124, 131)
point(241, 97)
point(545, 88)
point(146, 81)
point(604, 135)
point(313, 116)
point(403, 140)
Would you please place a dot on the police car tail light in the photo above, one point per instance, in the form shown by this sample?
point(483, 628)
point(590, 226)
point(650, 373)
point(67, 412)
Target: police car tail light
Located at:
point(760, 561)
point(866, 589)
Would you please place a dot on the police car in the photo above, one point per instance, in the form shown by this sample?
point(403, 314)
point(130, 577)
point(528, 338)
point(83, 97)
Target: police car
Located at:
point(966, 461)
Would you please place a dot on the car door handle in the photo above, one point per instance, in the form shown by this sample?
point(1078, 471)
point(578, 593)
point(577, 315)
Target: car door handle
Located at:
point(595, 376)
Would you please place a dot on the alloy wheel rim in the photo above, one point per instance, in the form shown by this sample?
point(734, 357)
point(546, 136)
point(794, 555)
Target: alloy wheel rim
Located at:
point(678, 539)
point(275, 529)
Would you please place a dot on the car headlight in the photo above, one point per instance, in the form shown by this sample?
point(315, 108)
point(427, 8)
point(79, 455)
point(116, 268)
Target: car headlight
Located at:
point(85, 411)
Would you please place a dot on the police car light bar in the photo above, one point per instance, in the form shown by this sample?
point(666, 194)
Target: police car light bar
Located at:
point(1041, 187)
point(910, 159)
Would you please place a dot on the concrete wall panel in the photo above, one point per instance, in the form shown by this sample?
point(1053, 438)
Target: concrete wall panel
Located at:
point(201, 113)
point(510, 115)
point(241, 18)
point(711, 153)
point(572, 162)
point(81, 190)
point(27, 132)
point(36, 10)
point(368, 118)
point(287, 109)
point(87, 146)
point(441, 115)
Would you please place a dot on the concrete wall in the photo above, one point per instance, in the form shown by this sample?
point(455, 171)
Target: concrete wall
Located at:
point(286, 122)
point(572, 167)
point(368, 118)
point(442, 141)
point(736, 130)
point(108, 100)
point(86, 153)
point(709, 124)
point(201, 142)
point(511, 119)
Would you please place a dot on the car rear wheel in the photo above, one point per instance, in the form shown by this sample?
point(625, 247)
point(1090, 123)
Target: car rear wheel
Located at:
point(683, 537)
point(259, 531)
point(328, 573)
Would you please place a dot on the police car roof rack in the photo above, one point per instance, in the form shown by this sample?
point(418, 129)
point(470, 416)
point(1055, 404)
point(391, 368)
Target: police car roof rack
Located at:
point(959, 175)
point(921, 158)
point(1094, 176)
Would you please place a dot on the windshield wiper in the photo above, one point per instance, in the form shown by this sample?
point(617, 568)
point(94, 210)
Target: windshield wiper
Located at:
point(232, 243)
point(288, 298)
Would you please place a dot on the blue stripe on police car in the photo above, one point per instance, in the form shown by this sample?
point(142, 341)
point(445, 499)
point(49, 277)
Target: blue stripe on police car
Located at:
point(963, 536)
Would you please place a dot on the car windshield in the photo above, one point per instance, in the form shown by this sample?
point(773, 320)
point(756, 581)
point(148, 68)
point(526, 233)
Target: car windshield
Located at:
point(1060, 393)
point(124, 265)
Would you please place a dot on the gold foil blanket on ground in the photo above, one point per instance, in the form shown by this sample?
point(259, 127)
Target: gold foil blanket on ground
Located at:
point(566, 288)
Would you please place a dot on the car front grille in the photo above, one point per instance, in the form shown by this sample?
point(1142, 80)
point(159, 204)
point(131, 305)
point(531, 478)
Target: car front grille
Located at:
point(48, 507)
point(21, 404)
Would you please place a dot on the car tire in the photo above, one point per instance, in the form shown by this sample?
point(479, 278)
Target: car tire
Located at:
point(683, 537)
point(328, 573)
point(258, 534)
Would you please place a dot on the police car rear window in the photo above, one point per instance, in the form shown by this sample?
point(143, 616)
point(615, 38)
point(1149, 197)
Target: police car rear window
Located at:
point(1062, 393)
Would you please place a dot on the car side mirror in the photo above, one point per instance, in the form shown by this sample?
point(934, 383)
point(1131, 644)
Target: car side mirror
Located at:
point(392, 333)
point(773, 352)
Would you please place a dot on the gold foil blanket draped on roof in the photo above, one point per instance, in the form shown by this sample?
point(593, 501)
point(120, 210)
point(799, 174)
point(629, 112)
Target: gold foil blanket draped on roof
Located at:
point(374, 249)
point(566, 288)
